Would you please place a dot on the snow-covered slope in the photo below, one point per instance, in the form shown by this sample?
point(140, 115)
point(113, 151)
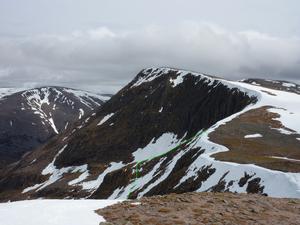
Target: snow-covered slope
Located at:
point(40, 100)
point(173, 131)
point(28, 118)
point(53, 212)
point(276, 183)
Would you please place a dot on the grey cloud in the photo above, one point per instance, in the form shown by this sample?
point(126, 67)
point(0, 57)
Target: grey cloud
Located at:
point(104, 60)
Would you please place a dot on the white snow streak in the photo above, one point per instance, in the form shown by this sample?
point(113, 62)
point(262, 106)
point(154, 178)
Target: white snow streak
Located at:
point(253, 136)
point(94, 184)
point(285, 158)
point(105, 118)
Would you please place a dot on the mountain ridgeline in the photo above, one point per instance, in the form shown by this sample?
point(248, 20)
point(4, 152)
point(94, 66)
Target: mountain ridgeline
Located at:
point(157, 136)
point(146, 111)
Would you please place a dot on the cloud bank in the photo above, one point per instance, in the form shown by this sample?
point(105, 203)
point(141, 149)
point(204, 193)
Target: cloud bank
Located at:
point(104, 60)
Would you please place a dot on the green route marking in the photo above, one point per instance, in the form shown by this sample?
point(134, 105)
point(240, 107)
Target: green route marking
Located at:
point(184, 142)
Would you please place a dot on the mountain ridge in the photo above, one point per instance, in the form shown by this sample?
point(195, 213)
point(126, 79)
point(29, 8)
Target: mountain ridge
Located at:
point(154, 113)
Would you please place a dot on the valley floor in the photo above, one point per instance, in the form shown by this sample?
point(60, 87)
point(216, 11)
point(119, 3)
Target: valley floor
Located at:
point(203, 208)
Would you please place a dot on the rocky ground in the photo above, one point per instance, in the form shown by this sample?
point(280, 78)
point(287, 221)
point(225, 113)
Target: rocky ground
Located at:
point(203, 208)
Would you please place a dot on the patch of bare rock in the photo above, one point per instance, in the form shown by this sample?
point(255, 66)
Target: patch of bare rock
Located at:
point(203, 208)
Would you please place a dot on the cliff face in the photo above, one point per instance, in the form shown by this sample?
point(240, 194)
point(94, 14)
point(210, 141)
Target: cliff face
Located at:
point(158, 135)
point(145, 111)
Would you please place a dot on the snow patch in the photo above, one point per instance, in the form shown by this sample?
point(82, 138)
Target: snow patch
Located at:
point(82, 177)
point(53, 125)
point(66, 126)
point(94, 184)
point(135, 203)
point(253, 136)
point(105, 118)
point(53, 212)
point(254, 83)
point(51, 167)
point(81, 113)
point(164, 143)
point(284, 131)
point(285, 158)
point(179, 79)
point(150, 75)
point(36, 98)
point(87, 98)
point(170, 166)
point(289, 113)
point(137, 183)
point(288, 84)
point(56, 174)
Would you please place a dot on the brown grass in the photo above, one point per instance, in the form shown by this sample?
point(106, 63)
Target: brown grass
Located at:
point(224, 208)
point(258, 150)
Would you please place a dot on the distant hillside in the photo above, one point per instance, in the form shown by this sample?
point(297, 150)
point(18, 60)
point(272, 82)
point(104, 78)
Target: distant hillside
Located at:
point(29, 118)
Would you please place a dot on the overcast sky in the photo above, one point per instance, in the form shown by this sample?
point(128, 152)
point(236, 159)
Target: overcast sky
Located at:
point(100, 45)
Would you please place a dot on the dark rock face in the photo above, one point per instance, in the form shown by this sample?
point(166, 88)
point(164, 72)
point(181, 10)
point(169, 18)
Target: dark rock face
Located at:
point(255, 187)
point(185, 109)
point(30, 118)
point(244, 179)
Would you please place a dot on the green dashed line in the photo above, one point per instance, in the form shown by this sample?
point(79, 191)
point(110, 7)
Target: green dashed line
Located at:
point(137, 165)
